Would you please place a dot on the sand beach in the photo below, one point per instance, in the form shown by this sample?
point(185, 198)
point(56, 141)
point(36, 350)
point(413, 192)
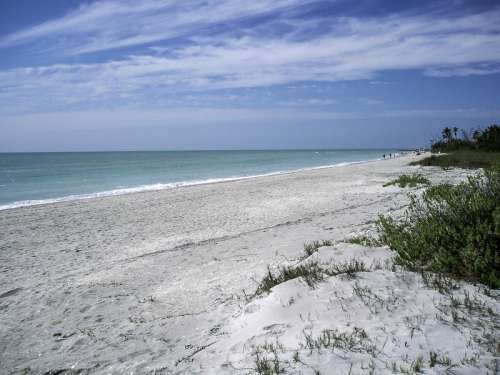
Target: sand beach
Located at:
point(156, 282)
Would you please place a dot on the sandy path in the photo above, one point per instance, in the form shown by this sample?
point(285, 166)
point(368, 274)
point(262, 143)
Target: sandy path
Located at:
point(141, 281)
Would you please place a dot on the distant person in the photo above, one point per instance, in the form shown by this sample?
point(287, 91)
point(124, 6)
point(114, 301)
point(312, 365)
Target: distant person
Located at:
point(390, 156)
point(383, 156)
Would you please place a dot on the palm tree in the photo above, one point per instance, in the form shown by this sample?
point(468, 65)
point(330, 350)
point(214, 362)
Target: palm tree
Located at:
point(455, 130)
point(476, 134)
point(446, 134)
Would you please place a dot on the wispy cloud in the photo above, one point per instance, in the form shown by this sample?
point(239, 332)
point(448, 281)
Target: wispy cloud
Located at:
point(462, 71)
point(241, 55)
point(104, 25)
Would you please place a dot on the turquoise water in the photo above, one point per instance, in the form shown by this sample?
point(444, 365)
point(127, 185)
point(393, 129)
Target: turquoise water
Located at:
point(36, 178)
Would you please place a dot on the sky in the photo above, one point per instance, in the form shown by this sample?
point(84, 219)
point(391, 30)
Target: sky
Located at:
point(244, 74)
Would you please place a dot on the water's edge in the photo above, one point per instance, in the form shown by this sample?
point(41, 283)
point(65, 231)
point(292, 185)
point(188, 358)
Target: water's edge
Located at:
point(165, 186)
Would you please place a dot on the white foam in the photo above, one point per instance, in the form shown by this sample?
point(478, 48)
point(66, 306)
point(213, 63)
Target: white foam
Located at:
point(163, 186)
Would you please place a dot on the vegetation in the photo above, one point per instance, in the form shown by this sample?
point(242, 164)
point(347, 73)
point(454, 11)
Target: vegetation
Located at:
point(467, 159)
point(267, 361)
point(442, 283)
point(364, 241)
point(479, 149)
point(355, 341)
point(311, 248)
point(447, 233)
point(349, 269)
point(409, 180)
point(436, 359)
point(480, 140)
point(453, 230)
point(310, 272)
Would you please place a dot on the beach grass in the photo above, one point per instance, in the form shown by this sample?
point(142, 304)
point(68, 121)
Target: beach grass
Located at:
point(364, 240)
point(312, 247)
point(467, 159)
point(330, 339)
point(411, 181)
point(267, 359)
point(311, 272)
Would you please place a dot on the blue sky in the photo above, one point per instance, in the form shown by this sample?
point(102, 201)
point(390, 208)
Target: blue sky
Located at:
point(219, 74)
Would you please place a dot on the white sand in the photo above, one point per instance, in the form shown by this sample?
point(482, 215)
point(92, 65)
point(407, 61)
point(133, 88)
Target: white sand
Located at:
point(153, 282)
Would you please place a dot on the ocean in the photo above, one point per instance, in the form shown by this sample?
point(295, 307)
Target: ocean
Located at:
point(28, 179)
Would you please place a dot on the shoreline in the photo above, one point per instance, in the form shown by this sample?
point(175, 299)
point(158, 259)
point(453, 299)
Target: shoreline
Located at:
point(172, 185)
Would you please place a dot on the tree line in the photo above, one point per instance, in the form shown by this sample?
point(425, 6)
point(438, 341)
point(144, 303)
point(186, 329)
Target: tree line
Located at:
point(487, 139)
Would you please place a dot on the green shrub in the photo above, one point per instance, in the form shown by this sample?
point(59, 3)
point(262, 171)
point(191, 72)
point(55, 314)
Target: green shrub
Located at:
point(409, 180)
point(451, 229)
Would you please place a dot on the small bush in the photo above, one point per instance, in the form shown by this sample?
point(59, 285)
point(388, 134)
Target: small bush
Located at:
point(409, 181)
point(451, 229)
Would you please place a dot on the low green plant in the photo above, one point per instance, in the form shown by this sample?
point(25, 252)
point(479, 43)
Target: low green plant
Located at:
point(355, 341)
point(436, 359)
point(349, 268)
point(442, 283)
point(312, 247)
point(453, 230)
point(364, 241)
point(406, 180)
point(267, 360)
point(370, 299)
point(417, 364)
point(466, 159)
point(310, 272)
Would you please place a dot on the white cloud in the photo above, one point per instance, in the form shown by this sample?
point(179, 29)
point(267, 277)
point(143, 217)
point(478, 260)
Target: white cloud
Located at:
point(461, 71)
point(351, 49)
point(104, 25)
